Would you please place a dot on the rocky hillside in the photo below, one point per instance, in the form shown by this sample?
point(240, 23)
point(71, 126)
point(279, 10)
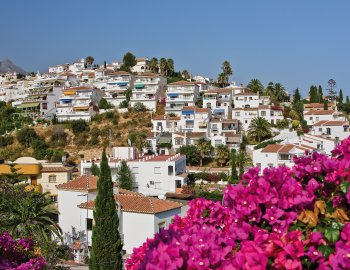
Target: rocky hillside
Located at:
point(6, 65)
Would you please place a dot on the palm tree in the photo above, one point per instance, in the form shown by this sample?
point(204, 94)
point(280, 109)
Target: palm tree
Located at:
point(243, 161)
point(226, 68)
point(259, 129)
point(170, 67)
point(185, 74)
point(163, 66)
point(204, 146)
point(222, 154)
point(280, 93)
point(89, 60)
point(32, 215)
point(256, 86)
point(222, 80)
point(153, 65)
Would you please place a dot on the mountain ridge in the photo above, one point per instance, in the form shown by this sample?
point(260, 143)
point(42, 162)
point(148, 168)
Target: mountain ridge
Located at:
point(6, 65)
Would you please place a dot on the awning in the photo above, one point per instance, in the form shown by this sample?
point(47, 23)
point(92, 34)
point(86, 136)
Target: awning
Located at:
point(139, 86)
point(81, 108)
point(219, 110)
point(28, 105)
point(173, 95)
point(122, 83)
point(188, 112)
point(69, 92)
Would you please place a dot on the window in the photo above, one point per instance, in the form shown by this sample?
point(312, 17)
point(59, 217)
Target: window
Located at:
point(310, 118)
point(161, 226)
point(170, 170)
point(151, 183)
point(178, 184)
point(317, 118)
point(52, 178)
point(53, 198)
point(270, 165)
point(135, 170)
point(44, 106)
point(320, 129)
point(284, 157)
point(263, 113)
point(89, 224)
point(157, 170)
point(346, 129)
point(328, 131)
point(246, 121)
point(237, 114)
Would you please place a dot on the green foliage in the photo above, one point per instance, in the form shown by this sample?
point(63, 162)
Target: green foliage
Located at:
point(6, 140)
point(79, 126)
point(128, 93)
point(266, 143)
point(234, 173)
point(95, 170)
point(295, 124)
point(58, 136)
point(205, 148)
point(314, 94)
point(26, 136)
point(320, 93)
point(226, 68)
point(243, 161)
point(89, 60)
point(296, 96)
point(259, 129)
point(54, 120)
point(214, 196)
point(222, 80)
point(325, 105)
point(192, 154)
point(138, 139)
point(153, 65)
point(256, 86)
point(106, 252)
point(282, 124)
point(124, 104)
point(125, 177)
point(340, 97)
point(222, 154)
point(129, 60)
point(104, 104)
point(139, 107)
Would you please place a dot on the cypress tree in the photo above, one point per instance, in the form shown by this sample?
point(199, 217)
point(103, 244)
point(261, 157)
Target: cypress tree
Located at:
point(234, 173)
point(320, 93)
point(313, 93)
point(325, 105)
point(340, 98)
point(347, 100)
point(124, 176)
point(106, 252)
point(296, 96)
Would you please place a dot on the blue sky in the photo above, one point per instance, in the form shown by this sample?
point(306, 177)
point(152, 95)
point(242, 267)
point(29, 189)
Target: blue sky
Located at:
point(296, 43)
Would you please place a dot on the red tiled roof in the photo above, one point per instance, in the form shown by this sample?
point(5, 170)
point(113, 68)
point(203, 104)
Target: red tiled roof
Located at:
point(191, 134)
point(182, 83)
point(56, 169)
point(276, 148)
point(331, 123)
point(84, 182)
point(320, 112)
point(195, 108)
point(139, 204)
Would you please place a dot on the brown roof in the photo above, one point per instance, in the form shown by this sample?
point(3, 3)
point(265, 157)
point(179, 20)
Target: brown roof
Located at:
point(278, 148)
point(331, 123)
point(119, 73)
point(138, 203)
point(78, 88)
point(146, 74)
point(246, 94)
point(84, 182)
point(164, 117)
point(320, 112)
point(159, 158)
point(56, 169)
point(182, 83)
point(191, 134)
point(195, 108)
point(313, 105)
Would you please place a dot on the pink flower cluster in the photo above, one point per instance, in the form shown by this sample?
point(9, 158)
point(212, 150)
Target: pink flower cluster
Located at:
point(287, 218)
point(18, 255)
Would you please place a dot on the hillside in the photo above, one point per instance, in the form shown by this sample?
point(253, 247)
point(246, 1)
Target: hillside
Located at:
point(6, 65)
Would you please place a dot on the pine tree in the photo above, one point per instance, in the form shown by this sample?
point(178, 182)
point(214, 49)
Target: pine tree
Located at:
point(320, 93)
point(234, 173)
point(106, 252)
point(94, 170)
point(12, 178)
point(340, 98)
point(124, 176)
point(296, 96)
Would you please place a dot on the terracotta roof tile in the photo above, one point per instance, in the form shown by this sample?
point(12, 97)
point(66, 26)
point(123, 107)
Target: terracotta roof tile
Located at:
point(56, 169)
point(84, 182)
point(139, 204)
point(182, 83)
point(331, 123)
point(320, 112)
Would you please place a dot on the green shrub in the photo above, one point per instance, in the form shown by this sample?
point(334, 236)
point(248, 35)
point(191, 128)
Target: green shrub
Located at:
point(26, 136)
point(264, 144)
point(79, 126)
point(282, 124)
point(6, 140)
point(123, 104)
point(104, 104)
point(139, 107)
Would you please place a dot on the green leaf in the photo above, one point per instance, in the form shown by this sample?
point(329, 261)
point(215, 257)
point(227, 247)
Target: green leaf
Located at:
point(344, 187)
point(326, 250)
point(332, 234)
point(206, 213)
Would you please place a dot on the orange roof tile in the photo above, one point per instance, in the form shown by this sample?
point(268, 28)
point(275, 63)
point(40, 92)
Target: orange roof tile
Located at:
point(139, 204)
point(320, 112)
point(56, 169)
point(84, 182)
point(276, 148)
point(331, 123)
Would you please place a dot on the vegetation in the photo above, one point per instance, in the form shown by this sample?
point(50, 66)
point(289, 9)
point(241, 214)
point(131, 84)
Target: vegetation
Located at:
point(129, 60)
point(259, 129)
point(106, 251)
point(204, 148)
point(139, 107)
point(234, 173)
point(11, 119)
point(79, 126)
point(222, 154)
point(125, 178)
point(89, 60)
point(104, 104)
point(256, 86)
point(224, 76)
point(192, 154)
point(95, 170)
point(26, 136)
point(266, 143)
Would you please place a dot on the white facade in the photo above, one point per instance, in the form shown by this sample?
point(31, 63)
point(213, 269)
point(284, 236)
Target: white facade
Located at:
point(219, 101)
point(165, 123)
point(142, 65)
point(332, 129)
point(194, 119)
point(314, 116)
point(179, 95)
point(246, 100)
point(147, 89)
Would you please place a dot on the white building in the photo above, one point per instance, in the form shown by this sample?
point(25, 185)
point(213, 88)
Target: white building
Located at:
point(165, 123)
point(246, 100)
point(332, 129)
point(113, 85)
point(77, 66)
point(142, 65)
point(58, 68)
point(153, 174)
point(314, 116)
point(194, 119)
point(181, 94)
point(147, 89)
point(77, 200)
point(78, 103)
point(219, 101)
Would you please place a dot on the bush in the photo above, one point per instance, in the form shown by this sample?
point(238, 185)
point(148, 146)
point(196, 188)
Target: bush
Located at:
point(139, 107)
point(26, 136)
point(282, 124)
point(266, 143)
point(6, 140)
point(81, 139)
point(59, 136)
point(295, 124)
point(123, 104)
point(104, 104)
point(79, 126)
